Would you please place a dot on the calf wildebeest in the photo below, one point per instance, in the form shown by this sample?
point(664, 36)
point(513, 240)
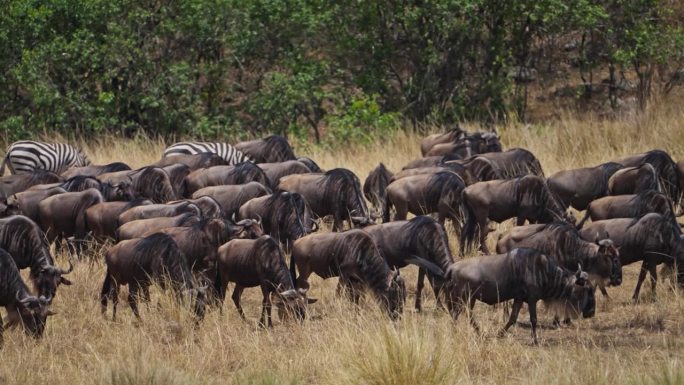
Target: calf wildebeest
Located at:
point(633, 180)
point(628, 206)
point(93, 170)
point(523, 198)
point(514, 163)
point(258, 262)
point(152, 183)
point(241, 173)
point(194, 162)
point(177, 173)
point(275, 171)
point(102, 219)
point(652, 238)
point(285, 216)
point(232, 197)
point(22, 308)
point(27, 201)
point(271, 149)
point(443, 137)
point(12, 184)
point(562, 242)
point(144, 227)
point(308, 162)
point(353, 256)
point(25, 241)
point(578, 187)
point(478, 143)
point(158, 210)
point(336, 192)
point(523, 275)
point(139, 262)
point(665, 167)
point(425, 194)
point(399, 242)
point(375, 187)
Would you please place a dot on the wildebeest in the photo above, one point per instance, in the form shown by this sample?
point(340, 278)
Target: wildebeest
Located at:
point(308, 162)
point(103, 218)
point(241, 173)
point(523, 275)
point(194, 161)
point(27, 201)
point(140, 262)
point(633, 180)
point(628, 206)
point(453, 166)
point(514, 163)
point(665, 167)
point(285, 216)
point(430, 161)
point(209, 207)
point(353, 256)
point(231, 197)
point(523, 198)
point(561, 241)
point(578, 187)
point(652, 238)
point(401, 241)
point(158, 210)
point(466, 146)
point(177, 173)
point(93, 170)
point(26, 243)
point(22, 307)
point(143, 227)
point(12, 184)
point(475, 169)
point(375, 187)
point(425, 194)
point(444, 137)
point(152, 183)
point(271, 149)
point(336, 192)
point(258, 262)
point(275, 171)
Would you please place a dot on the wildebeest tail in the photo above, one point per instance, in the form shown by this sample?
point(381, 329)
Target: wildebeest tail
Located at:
point(386, 209)
point(470, 226)
point(106, 290)
point(279, 147)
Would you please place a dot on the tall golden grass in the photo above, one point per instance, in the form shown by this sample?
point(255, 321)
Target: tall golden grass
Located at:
point(340, 344)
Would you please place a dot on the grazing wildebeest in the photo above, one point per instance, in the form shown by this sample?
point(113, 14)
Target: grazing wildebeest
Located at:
point(308, 162)
point(336, 192)
point(103, 218)
point(523, 275)
point(143, 227)
point(177, 173)
point(258, 262)
point(22, 308)
point(514, 163)
point(634, 180)
point(652, 238)
point(561, 241)
point(444, 137)
point(284, 215)
point(578, 187)
point(95, 170)
point(665, 167)
point(194, 161)
point(27, 201)
point(353, 256)
point(158, 210)
point(478, 143)
point(241, 173)
point(523, 198)
point(64, 215)
point(25, 241)
point(375, 187)
point(425, 194)
point(275, 171)
point(140, 262)
point(628, 206)
point(12, 184)
point(399, 242)
point(233, 196)
point(152, 183)
point(271, 149)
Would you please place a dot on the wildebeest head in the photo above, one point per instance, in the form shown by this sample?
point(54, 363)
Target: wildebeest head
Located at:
point(489, 143)
point(609, 260)
point(396, 294)
point(292, 303)
point(49, 278)
point(579, 297)
point(34, 312)
point(343, 190)
point(247, 229)
point(122, 191)
point(8, 207)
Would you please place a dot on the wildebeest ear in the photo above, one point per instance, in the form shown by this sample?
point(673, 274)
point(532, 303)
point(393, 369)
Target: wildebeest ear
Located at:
point(50, 312)
point(427, 265)
point(311, 300)
point(64, 281)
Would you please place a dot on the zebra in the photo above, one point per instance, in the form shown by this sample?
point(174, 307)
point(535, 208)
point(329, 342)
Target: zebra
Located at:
point(229, 153)
point(26, 156)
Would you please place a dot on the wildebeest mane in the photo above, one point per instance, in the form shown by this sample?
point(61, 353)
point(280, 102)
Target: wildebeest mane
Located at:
point(277, 147)
point(267, 247)
point(666, 169)
point(533, 191)
point(646, 202)
point(287, 211)
point(443, 185)
point(114, 167)
point(247, 172)
point(372, 267)
point(427, 236)
point(341, 187)
point(154, 183)
point(81, 182)
point(313, 166)
point(168, 259)
point(654, 226)
point(22, 237)
point(375, 186)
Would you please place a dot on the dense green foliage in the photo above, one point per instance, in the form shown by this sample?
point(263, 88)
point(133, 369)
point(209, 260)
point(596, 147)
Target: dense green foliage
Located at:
point(309, 68)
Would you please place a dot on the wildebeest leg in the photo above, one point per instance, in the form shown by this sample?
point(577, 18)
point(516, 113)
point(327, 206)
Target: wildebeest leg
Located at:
point(419, 289)
point(2, 329)
point(266, 309)
point(146, 295)
point(115, 299)
point(517, 305)
point(401, 211)
point(640, 280)
point(532, 308)
point(604, 292)
point(484, 230)
point(471, 305)
point(237, 294)
point(133, 289)
point(436, 288)
point(652, 270)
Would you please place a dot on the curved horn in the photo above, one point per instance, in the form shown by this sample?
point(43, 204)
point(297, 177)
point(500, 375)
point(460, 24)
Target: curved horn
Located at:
point(71, 268)
point(579, 270)
point(314, 226)
point(259, 219)
point(22, 301)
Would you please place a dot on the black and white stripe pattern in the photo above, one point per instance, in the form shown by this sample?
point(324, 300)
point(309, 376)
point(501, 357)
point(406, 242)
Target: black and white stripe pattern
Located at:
point(229, 153)
point(26, 156)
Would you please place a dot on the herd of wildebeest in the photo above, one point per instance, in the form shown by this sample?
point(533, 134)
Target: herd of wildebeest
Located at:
point(197, 221)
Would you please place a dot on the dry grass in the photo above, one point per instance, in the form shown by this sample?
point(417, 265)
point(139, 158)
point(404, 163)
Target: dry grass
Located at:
point(623, 344)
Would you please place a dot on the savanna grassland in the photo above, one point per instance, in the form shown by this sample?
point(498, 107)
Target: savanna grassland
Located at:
point(340, 344)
